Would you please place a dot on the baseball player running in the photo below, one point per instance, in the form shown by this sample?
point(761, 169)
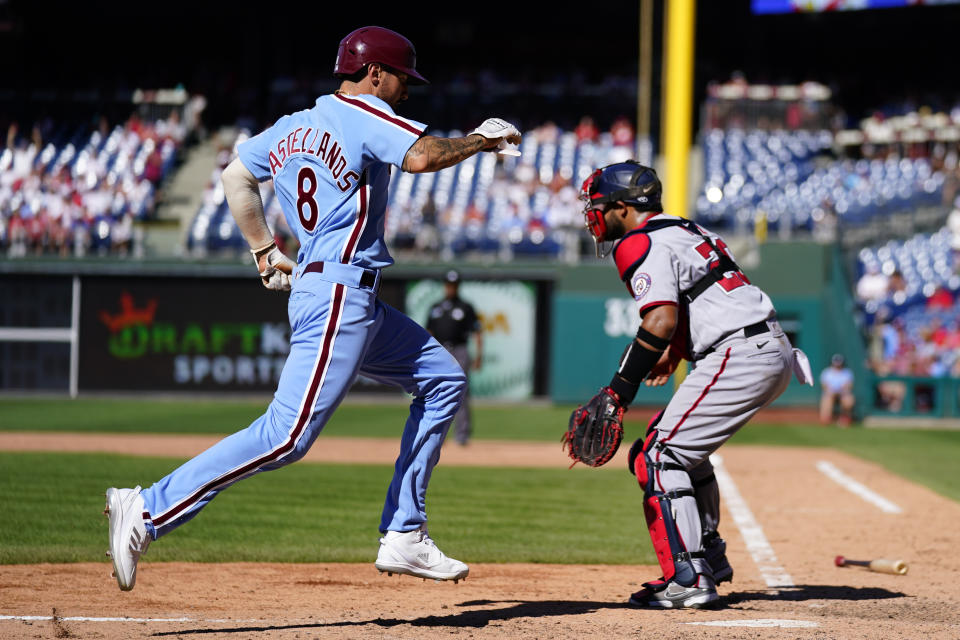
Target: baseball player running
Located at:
point(330, 165)
point(696, 304)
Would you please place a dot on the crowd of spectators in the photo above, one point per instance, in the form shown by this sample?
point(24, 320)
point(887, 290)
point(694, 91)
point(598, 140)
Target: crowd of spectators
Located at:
point(789, 174)
point(798, 181)
point(519, 206)
point(740, 104)
point(497, 205)
point(528, 206)
point(81, 192)
point(922, 343)
point(914, 323)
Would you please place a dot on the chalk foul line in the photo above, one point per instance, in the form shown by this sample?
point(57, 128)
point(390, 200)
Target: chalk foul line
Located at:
point(760, 550)
point(759, 622)
point(95, 619)
point(831, 471)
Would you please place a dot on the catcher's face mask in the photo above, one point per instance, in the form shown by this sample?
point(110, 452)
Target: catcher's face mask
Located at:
point(622, 182)
point(593, 214)
point(596, 223)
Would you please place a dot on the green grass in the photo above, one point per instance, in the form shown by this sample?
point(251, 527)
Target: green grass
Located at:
point(922, 455)
point(116, 415)
point(51, 503)
point(129, 415)
point(925, 456)
point(52, 507)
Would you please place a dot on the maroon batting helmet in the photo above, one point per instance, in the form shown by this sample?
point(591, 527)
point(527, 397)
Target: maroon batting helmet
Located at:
point(376, 44)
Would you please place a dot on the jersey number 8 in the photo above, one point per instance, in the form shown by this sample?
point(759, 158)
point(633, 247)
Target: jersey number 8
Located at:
point(306, 187)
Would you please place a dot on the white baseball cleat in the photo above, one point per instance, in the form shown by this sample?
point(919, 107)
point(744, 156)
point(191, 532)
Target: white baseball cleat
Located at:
point(413, 553)
point(128, 534)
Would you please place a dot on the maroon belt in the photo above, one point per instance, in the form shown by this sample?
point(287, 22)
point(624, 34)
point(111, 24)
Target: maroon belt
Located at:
point(367, 280)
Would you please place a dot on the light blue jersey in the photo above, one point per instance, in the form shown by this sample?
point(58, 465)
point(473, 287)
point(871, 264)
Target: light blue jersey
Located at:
point(330, 167)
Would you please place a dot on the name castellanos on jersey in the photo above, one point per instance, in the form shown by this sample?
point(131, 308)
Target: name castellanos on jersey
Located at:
point(321, 145)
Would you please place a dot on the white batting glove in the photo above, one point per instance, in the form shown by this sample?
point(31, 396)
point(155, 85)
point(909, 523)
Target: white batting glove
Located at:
point(497, 129)
point(275, 268)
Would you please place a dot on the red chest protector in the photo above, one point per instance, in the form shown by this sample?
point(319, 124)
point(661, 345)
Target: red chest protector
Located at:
point(628, 254)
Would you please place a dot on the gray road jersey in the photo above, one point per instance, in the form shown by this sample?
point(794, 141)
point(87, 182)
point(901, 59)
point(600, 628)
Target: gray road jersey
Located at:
point(678, 259)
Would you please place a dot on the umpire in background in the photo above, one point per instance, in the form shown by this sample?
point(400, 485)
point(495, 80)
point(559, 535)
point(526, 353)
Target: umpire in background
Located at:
point(451, 322)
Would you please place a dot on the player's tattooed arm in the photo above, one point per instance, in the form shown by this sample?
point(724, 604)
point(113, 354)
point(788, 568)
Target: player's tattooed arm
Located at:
point(430, 153)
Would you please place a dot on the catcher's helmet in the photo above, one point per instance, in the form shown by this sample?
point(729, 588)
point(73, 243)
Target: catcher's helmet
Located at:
point(629, 182)
point(376, 44)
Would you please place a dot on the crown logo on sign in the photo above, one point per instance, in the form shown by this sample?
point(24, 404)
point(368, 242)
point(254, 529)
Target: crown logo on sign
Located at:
point(129, 315)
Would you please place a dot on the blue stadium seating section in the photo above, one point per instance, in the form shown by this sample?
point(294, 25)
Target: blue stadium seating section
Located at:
point(791, 177)
point(121, 164)
point(779, 174)
point(926, 262)
point(119, 158)
point(477, 213)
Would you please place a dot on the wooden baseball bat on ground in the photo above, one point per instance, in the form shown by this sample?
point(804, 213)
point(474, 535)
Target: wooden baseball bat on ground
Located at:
point(880, 565)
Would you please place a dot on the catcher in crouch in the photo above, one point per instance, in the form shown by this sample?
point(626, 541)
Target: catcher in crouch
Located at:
point(695, 303)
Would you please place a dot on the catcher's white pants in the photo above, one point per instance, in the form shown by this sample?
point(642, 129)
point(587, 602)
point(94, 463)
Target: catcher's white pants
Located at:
point(724, 390)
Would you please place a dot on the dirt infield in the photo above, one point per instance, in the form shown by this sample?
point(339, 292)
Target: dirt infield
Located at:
point(804, 516)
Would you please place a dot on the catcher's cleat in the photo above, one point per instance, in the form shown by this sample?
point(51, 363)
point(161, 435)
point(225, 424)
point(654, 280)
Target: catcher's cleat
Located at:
point(722, 572)
point(414, 553)
point(670, 595)
point(714, 549)
point(128, 534)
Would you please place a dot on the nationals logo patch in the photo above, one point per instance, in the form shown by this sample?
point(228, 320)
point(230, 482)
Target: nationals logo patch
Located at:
point(641, 284)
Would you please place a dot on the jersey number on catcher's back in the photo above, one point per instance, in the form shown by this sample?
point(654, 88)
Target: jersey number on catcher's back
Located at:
point(733, 279)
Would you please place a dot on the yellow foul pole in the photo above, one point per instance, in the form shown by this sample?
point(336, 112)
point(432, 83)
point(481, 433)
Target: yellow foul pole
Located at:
point(678, 103)
point(677, 112)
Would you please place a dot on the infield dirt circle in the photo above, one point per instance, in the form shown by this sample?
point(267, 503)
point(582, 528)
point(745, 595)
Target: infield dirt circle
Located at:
point(806, 518)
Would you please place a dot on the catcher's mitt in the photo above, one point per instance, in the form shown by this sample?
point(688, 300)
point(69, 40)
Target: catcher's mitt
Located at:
point(595, 431)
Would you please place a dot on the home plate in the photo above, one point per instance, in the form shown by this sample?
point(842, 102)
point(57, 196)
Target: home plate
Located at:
point(761, 622)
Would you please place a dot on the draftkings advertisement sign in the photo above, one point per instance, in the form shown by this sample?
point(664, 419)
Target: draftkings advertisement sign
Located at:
point(181, 335)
